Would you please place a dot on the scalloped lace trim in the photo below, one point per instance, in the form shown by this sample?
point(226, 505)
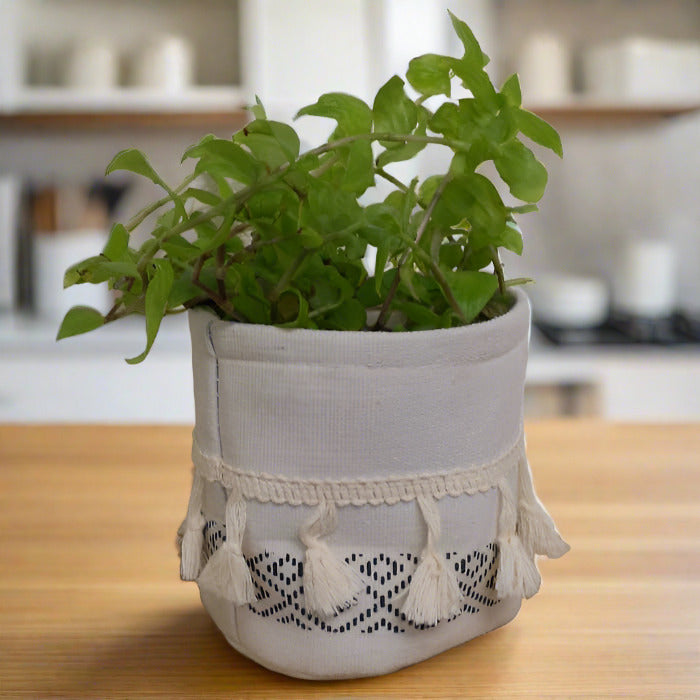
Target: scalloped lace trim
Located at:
point(367, 491)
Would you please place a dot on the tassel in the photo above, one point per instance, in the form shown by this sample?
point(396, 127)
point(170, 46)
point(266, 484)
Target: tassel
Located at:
point(517, 570)
point(535, 525)
point(226, 573)
point(330, 585)
point(190, 535)
point(434, 594)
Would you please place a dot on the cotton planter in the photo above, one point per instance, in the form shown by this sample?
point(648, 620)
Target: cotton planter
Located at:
point(361, 501)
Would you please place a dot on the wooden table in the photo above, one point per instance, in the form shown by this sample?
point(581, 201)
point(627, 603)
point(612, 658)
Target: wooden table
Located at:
point(91, 604)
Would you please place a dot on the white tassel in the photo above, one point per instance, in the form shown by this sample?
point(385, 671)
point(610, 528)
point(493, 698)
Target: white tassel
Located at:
point(330, 585)
point(535, 525)
point(226, 573)
point(190, 535)
point(517, 570)
point(434, 594)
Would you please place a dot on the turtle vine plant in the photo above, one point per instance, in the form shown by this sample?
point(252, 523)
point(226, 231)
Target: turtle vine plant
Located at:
point(275, 236)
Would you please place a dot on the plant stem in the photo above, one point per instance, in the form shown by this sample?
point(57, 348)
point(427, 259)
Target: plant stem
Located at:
point(220, 271)
point(147, 211)
point(239, 198)
point(325, 167)
point(390, 178)
point(394, 138)
point(384, 310)
point(288, 275)
point(221, 302)
point(498, 269)
point(439, 278)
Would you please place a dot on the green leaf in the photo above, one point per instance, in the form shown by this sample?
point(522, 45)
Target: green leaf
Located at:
point(349, 316)
point(471, 290)
point(117, 243)
point(511, 238)
point(450, 255)
point(274, 143)
point(351, 113)
point(309, 238)
point(523, 209)
point(476, 80)
point(511, 91)
point(447, 121)
point(135, 161)
point(430, 74)
point(420, 316)
point(203, 196)
point(470, 68)
point(157, 294)
point(477, 259)
point(180, 249)
point(79, 319)
point(539, 131)
point(397, 152)
point(257, 109)
point(224, 158)
point(81, 272)
point(381, 227)
point(379, 267)
point(393, 111)
point(291, 309)
point(183, 290)
point(195, 151)
point(473, 198)
point(359, 173)
point(525, 176)
point(472, 50)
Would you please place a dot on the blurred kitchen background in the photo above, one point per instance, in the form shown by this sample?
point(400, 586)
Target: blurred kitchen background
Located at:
point(615, 247)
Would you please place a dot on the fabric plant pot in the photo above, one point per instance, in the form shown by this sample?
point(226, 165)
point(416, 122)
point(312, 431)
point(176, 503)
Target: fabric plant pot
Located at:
point(361, 501)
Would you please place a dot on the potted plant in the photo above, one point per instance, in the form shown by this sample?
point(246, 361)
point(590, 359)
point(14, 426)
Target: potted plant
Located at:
point(361, 496)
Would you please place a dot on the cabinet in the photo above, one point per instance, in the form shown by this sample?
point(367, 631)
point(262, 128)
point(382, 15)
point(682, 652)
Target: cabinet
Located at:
point(83, 57)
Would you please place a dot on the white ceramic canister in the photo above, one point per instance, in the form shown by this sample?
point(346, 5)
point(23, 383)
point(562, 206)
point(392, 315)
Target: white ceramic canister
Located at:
point(52, 254)
point(166, 63)
point(569, 301)
point(91, 65)
point(544, 68)
point(361, 501)
point(645, 283)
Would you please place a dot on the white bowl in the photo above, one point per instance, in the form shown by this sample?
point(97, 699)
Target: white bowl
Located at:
point(568, 301)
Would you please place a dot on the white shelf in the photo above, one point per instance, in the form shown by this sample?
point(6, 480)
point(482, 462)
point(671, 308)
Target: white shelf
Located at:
point(128, 99)
point(583, 108)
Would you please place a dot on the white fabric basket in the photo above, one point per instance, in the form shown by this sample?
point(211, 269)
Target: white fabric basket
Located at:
point(361, 501)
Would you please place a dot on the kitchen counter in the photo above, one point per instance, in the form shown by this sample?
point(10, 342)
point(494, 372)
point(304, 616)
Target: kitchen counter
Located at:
point(92, 605)
point(630, 382)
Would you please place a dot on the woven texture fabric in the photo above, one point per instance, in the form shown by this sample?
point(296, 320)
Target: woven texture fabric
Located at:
point(358, 487)
point(314, 404)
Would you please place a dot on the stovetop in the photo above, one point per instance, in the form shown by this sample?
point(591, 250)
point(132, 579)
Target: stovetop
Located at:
point(679, 329)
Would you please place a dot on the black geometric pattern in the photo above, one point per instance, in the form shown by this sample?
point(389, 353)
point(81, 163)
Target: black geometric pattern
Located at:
point(278, 580)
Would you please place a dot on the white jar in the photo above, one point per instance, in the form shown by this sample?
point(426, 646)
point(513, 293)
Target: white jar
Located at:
point(544, 68)
point(165, 64)
point(52, 254)
point(91, 65)
point(645, 284)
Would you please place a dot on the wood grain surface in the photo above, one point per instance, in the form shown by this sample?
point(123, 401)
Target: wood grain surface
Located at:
point(91, 605)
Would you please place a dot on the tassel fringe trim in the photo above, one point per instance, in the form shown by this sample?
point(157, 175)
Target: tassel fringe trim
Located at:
point(330, 584)
point(226, 573)
point(434, 594)
point(190, 535)
point(524, 530)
